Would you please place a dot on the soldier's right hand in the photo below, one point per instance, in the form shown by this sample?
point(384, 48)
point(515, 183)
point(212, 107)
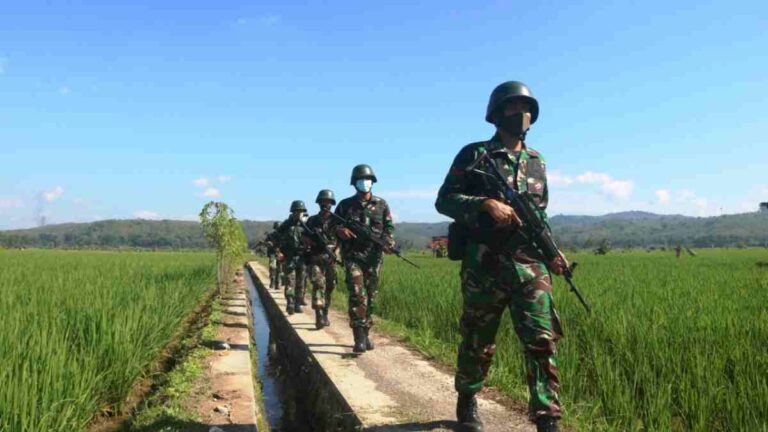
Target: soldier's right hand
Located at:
point(345, 233)
point(503, 214)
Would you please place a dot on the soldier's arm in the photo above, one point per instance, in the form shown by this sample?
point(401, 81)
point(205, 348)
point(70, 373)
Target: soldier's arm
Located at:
point(453, 199)
point(334, 224)
point(542, 207)
point(389, 225)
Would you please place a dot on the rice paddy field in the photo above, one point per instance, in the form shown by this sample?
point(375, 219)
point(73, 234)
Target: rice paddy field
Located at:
point(78, 328)
point(672, 344)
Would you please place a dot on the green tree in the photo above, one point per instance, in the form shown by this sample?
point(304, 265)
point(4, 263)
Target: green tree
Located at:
point(226, 235)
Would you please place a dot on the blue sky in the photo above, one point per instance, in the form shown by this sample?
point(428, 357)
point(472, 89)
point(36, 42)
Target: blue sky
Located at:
point(149, 109)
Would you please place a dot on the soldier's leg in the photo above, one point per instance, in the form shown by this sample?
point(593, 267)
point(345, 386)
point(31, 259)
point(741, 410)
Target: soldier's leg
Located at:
point(483, 306)
point(317, 277)
point(330, 285)
point(371, 276)
point(356, 296)
point(289, 281)
point(300, 284)
point(538, 327)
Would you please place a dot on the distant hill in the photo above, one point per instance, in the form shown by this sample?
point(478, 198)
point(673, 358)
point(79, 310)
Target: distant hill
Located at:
point(626, 229)
point(641, 229)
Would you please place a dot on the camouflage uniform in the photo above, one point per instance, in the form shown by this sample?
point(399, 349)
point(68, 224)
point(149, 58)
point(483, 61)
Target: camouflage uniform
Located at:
point(274, 264)
point(362, 260)
point(290, 244)
point(321, 269)
point(499, 270)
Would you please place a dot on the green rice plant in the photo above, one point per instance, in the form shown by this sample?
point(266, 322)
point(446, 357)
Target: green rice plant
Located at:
point(78, 328)
point(673, 344)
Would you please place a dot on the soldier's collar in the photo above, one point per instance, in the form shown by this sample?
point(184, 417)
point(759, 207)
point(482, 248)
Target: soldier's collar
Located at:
point(494, 145)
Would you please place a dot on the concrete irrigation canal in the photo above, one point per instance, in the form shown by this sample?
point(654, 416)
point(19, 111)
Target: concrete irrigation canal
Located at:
point(312, 382)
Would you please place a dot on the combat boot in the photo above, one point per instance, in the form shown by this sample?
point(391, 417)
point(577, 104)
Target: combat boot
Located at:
point(297, 306)
point(368, 342)
point(289, 306)
point(466, 413)
point(359, 335)
point(546, 424)
point(318, 318)
point(326, 321)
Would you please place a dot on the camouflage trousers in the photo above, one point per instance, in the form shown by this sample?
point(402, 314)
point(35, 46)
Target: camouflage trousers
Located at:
point(293, 277)
point(274, 272)
point(322, 273)
point(492, 284)
point(362, 279)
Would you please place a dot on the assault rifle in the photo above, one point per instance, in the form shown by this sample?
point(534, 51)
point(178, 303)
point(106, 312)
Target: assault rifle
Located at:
point(533, 230)
point(320, 241)
point(367, 233)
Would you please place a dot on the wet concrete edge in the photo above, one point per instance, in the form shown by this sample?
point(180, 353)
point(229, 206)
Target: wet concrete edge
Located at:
point(329, 410)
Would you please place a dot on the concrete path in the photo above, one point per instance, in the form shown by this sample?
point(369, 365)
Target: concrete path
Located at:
point(233, 409)
point(391, 388)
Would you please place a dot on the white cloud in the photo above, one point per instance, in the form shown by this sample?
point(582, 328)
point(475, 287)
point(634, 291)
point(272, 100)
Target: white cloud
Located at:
point(664, 196)
point(211, 192)
point(53, 194)
point(555, 178)
point(263, 21)
point(427, 193)
point(202, 182)
point(146, 214)
point(64, 90)
point(687, 195)
point(9, 203)
point(224, 178)
point(617, 188)
point(269, 20)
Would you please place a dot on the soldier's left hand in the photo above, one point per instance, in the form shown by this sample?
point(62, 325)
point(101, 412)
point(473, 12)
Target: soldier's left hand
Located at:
point(558, 265)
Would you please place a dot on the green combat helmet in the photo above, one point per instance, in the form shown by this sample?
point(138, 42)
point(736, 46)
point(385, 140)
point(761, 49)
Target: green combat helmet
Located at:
point(507, 91)
point(298, 206)
point(325, 194)
point(362, 171)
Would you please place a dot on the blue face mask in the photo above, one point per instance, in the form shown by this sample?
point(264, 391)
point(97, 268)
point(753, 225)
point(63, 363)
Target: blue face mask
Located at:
point(364, 185)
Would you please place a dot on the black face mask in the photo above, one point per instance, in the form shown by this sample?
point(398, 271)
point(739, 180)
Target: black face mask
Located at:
point(515, 125)
point(325, 207)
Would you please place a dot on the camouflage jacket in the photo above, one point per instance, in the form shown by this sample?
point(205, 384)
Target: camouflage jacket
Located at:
point(375, 214)
point(323, 225)
point(289, 238)
point(463, 193)
point(271, 243)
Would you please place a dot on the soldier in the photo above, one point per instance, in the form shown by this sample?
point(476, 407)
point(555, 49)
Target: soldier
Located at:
point(290, 253)
point(500, 269)
point(274, 265)
point(321, 267)
point(362, 259)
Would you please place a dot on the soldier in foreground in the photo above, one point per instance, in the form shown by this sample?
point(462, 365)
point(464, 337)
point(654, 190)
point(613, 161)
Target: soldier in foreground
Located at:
point(363, 257)
point(500, 267)
point(274, 265)
point(322, 257)
point(290, 254)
